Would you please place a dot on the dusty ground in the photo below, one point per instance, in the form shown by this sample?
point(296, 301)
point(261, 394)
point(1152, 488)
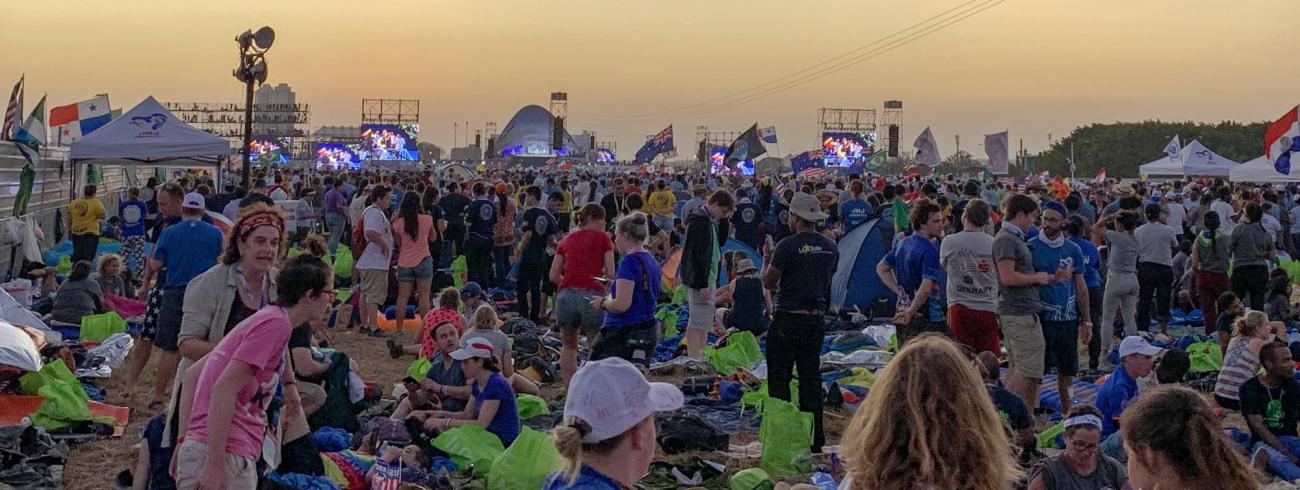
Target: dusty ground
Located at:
point(94, 465)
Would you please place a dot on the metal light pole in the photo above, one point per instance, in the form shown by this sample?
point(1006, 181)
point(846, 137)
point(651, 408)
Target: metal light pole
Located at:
point(252, 70)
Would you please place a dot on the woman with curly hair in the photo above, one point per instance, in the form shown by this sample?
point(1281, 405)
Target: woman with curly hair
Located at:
point(928, 423)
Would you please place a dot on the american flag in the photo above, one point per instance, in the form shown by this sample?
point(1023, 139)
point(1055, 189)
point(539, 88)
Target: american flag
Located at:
point(813, 173)
point(13, 111)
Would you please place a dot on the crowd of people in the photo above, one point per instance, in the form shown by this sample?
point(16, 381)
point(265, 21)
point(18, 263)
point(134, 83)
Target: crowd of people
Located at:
point(1031, 275)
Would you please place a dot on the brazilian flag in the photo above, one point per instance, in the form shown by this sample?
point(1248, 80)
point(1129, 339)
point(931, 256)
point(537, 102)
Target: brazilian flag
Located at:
point(875, 161)
point(25, 181)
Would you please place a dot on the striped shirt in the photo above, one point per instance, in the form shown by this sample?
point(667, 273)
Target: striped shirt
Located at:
point(1238, 366)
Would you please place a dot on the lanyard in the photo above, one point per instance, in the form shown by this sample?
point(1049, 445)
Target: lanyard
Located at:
point(263, 296)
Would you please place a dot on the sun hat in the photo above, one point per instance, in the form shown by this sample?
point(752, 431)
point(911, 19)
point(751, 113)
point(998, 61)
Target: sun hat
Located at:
point(807, 207)
point(611, 396)
point(744, 265)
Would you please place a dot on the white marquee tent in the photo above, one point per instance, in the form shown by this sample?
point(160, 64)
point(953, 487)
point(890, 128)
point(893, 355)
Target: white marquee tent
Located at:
point(149, 134)
point(1194, 160)
point(1260, 170)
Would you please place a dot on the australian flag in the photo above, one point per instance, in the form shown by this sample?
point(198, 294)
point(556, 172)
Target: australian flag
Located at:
point(653, 147)
point(748, 146)
point(807, 160)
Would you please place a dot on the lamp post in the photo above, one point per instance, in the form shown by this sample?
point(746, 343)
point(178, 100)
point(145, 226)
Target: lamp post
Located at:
point(251, 71)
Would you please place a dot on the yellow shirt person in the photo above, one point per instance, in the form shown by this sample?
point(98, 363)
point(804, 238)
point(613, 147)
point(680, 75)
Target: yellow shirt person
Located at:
point(86, 214)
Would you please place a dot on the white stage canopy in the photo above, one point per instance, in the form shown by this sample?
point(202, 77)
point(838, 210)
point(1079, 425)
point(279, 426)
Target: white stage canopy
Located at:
point(1260, 170)
point(1194, 160)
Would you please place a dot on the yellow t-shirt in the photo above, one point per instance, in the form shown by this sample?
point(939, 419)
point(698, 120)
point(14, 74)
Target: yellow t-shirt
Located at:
point(662, 203)
point(86, 213)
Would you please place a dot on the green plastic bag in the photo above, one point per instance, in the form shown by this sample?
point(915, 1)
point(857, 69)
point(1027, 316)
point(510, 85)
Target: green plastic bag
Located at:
point(64, 266)
point(679, 295)
point(1047, 438)
point(65, 401)
point(787, 436)
point(530, 406)
point(1292, 268)
point(741, 351)
point(668, 318)
point(294, 251)
point(471, 445)
point(525, 465)
point(418, 368)
point(1205, 357)
point(459, 269)
point(343, 262)
point(751, 479)
point(96, 328)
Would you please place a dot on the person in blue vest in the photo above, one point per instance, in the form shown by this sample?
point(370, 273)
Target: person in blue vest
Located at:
point(1062, 301)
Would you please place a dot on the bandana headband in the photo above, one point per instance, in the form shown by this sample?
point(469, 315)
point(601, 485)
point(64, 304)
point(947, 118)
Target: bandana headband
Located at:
point(264, 218)
point(1085, 419)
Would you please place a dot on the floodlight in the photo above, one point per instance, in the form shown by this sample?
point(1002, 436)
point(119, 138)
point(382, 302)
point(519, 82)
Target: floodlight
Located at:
point(264, 37)
point(244, 38)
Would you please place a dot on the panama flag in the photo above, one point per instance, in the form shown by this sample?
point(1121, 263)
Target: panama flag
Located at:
point(30, 137)
point(768, 134)
point(1281, 140)
point(71, 122)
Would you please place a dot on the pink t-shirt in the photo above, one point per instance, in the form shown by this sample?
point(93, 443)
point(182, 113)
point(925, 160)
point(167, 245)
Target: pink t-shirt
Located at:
point(412, 251)
point(260, 342)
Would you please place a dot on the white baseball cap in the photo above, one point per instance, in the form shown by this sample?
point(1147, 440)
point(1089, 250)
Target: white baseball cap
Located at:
point(475, 348)
point(1136, 345)
point(194, 200)
point(611, 395)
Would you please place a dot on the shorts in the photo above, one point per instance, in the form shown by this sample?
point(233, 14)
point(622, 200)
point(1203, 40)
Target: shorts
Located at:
point(573, 311)
point(633, 343)
point(421, 272)
point(167, 336)
point(1061, 346)
point(374, 285)
point(149, 330)
point(701, 309)
point(977, 329)
point(1025, 345)
point(241, 472)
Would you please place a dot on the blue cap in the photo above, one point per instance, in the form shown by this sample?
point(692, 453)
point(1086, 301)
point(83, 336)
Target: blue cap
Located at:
point(471, 289)
point(1055, 206)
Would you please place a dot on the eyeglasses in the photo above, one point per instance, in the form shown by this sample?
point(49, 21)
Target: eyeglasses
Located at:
point(1083, 448)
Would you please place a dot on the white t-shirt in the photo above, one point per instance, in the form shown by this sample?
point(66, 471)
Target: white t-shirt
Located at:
point(358, 205)
point(967, 259)
point(1272, 226)
point(1176, 214)
point(376, 256)
point(1225, 216)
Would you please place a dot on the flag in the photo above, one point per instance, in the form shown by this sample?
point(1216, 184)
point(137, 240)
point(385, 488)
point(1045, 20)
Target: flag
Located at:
point(30, 137)
point(1173, 148)
point(768, 134)
point(995, 146)
point(13, 111)
point(653, 147)
point(747, 146)
point(874, 161)
point(24, 195)
point(72, 121)
point(807, 160)
point(1281, 140)
point(813, 172)
point(927, 151)
point(1100, 178)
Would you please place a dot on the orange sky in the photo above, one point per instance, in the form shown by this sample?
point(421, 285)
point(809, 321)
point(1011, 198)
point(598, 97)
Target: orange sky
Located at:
point(1031, 66)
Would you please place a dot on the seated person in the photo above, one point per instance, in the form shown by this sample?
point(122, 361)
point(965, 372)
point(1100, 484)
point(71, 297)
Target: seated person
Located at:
point(1136, 358)
point(1242, 361)
point(750, 304)
point(396, 464)
point(491, 403)
point(152, 462)
point(446, 311)
point(309, 369)
point(112, 228)
point(1010, 406)
point(472, 295)
point(443, 386)
point(40, 275)
point(1171, 368)
point(1230, 307)
point(1080, 465)
point(1278, 303)
point(78, 296)
point(1271, 404)
point(110, 277)
point(486, 326)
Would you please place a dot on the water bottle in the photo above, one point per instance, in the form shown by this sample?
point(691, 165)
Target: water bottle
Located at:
point(824, 481)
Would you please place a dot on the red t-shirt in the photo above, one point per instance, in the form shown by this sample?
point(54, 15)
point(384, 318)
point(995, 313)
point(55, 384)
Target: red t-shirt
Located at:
point(584, 259)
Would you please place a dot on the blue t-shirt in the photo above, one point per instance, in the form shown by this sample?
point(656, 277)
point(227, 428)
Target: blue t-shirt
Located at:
point(643, 271)
point(187, 249)
point(915, 259)
point(1091, 262)
point(506, 422)
point(132, 214)
point(480, 217)
point(854, 212)
point(1113, 397)
point(1058, 298)
point(587, 479)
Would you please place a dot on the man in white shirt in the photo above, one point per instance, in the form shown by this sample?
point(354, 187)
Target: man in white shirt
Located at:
point(1223, 207)
point(1175, 213)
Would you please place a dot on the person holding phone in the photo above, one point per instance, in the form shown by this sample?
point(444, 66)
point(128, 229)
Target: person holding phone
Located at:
point(1063, 300)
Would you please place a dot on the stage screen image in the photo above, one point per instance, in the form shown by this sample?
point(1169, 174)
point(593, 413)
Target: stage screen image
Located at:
point(338, 156)
point(718, 163)
point(847, 149)
point(269, 149)
point(389, 142)
point(605, 155)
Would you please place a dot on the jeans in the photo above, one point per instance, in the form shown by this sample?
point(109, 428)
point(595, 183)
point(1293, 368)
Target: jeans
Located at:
point(478, 259)
point(1120, 296)
point(1250, 280)
point(336, 224)
point(1278, 463)
point(1094, 345)
point(1157, 279)
point(800, 339)
point(501, 260)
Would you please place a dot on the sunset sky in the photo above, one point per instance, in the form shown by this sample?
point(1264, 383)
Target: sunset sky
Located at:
point(1031, 66)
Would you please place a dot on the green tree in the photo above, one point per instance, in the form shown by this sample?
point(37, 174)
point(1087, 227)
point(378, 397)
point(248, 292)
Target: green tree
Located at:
point(1123, 147)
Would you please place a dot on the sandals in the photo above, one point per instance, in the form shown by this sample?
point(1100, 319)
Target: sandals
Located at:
point(394, 350)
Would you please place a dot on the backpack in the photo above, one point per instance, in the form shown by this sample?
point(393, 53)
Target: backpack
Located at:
point(359, 240)
point(682, 431)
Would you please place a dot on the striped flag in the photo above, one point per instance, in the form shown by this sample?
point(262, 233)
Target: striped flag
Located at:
point(768, 134)
point(13, 111)
point(72, 121)
point(30, 137)
point(1101, 177)
point(1282, 140)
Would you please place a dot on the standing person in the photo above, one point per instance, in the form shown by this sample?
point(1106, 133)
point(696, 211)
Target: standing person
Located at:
point(503, 235)
point(581, 257)
point(615, 203)
point(607, 437)
point(1062, 301)
point(1251, 251)
point(1018, 298)
point(185, 249)
point(480, 218)
point(1210, 257)
point(169, 199)
point(336, 212)
point(1121, 274)
point(150, 197)
point(453, 207)
point(701, 258)
point(1078, 231)
point(893, 441)
point(84, 216)
point(429, 204)
point(799, 272)
point(1174, 440)
point(911, 269)
point(629, 328)
point(746, 221)
point(967, 258)
point(537, 232)
point(376, 259)
point(1080, 466)
point(1156, 243)
point(223, 408)
point(133, 212)
point(854, 208)
point(413, 231)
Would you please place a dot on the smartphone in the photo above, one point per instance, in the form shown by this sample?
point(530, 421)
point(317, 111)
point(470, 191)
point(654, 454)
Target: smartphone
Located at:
point(600, 279)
